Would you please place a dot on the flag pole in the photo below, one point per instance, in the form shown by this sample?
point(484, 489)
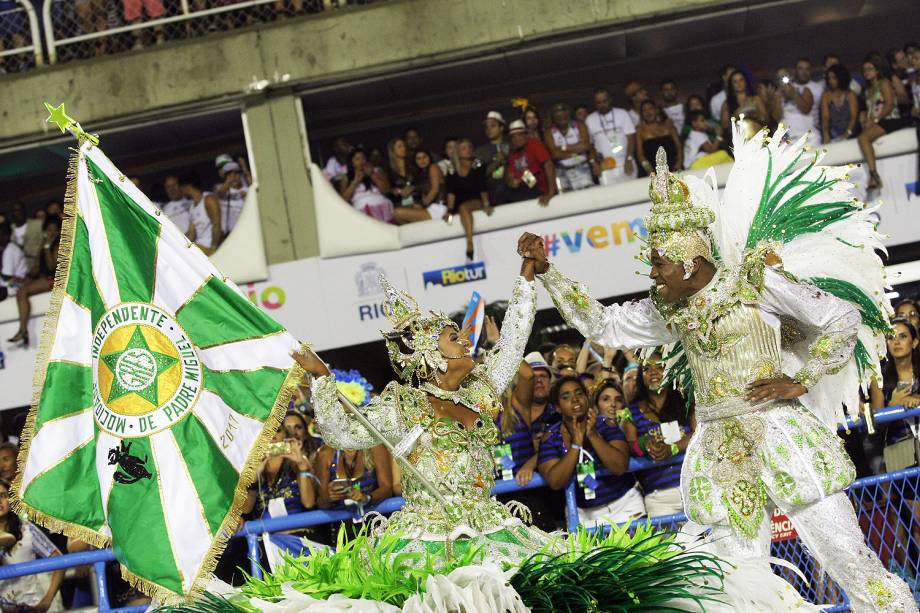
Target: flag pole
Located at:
point(404, 462)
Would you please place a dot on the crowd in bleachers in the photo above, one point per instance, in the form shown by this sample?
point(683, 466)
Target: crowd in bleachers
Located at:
point(205, 211)
point(128, 20)
point(526, 154)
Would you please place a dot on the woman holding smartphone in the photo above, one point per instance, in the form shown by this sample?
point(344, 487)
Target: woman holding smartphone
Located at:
point(362, 476)
point(286, 484)
point(349, 474)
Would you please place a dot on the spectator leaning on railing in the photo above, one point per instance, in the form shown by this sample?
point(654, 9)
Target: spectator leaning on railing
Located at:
point(839, 106)
point(204, 214)
point(22, 541)
point(671, 105)
point(613, 135)
point(530, 172)
point(900, 387)
point(579, 446)
point(569, 146)
point(493, 155)
point(658, 425)
point(366, 187)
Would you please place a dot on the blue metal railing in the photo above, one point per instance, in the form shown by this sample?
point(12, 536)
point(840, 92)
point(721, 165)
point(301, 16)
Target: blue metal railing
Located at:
point(251, 530)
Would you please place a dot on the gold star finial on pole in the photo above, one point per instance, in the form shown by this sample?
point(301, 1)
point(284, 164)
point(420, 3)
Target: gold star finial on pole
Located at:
point(59, 117)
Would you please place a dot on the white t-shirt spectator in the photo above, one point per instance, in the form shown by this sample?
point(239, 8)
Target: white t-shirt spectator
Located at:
point(715, 104)
point(19, 234)
point(203, 226)
point(609, 134)
point(231, 206)
point(692, 151)
point(798, 122)
point(634, 117)
point(334, 169)
point(178, 213)
point(676, 113)
point(12, 264)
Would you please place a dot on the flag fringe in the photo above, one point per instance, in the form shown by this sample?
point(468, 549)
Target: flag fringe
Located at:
point(248, 476)
point(49, 333)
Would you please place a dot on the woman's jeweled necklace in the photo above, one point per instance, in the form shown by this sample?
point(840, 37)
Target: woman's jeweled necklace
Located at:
point(461, 395)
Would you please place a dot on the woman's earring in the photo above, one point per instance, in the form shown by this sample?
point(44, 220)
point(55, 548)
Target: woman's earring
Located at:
point(688, 269)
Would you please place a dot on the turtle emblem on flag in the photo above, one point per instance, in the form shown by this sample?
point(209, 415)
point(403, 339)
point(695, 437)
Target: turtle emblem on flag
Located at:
point(133, 466)
point(146, 371)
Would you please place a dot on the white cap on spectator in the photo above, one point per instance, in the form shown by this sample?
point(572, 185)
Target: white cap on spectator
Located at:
point(517, 126)
point(496, 116)
point(222, 159)
point(230, 167)
point(535, 358)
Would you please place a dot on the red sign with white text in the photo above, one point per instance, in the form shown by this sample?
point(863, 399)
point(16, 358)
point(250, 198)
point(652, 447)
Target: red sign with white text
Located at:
point(781, 527)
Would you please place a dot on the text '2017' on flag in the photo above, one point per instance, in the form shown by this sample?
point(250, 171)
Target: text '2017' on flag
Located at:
point(158, 386)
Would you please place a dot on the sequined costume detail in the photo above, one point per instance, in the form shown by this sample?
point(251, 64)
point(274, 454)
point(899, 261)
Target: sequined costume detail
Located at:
point(457, 460)
point(744, 458)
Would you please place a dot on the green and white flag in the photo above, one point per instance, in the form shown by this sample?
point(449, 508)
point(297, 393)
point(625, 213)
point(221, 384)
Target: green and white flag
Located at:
point(158, 387)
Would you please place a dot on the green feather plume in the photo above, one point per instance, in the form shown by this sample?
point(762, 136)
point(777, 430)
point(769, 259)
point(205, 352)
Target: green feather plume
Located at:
point(645, 571)
point(864, 361)
point(872, 315)
point(779, 220)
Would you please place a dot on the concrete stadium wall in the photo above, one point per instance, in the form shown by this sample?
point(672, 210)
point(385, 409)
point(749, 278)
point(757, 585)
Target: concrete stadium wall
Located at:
point(338, 45)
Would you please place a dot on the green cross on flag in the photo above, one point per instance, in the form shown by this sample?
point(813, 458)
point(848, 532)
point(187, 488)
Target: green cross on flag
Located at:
point(159, 385)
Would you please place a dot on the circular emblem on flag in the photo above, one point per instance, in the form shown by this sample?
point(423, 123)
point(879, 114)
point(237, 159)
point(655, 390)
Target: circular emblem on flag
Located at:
point(146, 372)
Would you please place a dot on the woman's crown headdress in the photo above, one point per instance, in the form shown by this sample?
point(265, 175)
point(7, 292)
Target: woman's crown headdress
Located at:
point(677, 229)
point(413, 343)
